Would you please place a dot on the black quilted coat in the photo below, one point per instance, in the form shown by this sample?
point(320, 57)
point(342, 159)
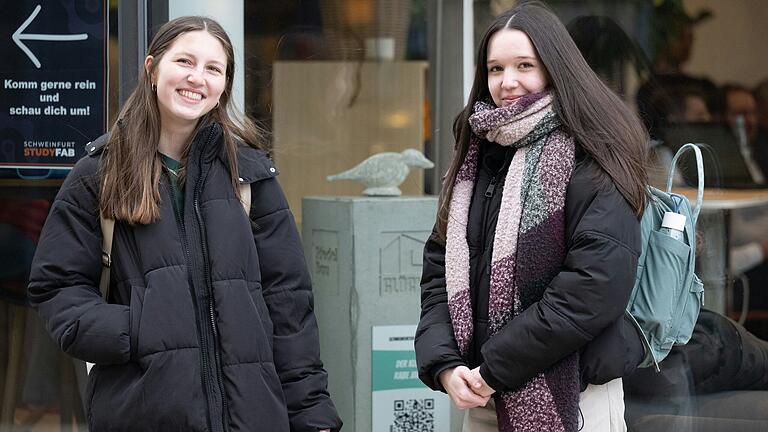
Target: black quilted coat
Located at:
point(209, 324)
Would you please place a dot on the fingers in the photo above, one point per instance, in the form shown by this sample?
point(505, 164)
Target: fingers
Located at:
point(485, 391)
point(466, 398)
point(474, 380)
point(460, 391)
point(478, 384)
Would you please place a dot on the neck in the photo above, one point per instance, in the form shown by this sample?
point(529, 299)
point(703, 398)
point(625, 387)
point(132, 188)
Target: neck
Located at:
point(173, 140)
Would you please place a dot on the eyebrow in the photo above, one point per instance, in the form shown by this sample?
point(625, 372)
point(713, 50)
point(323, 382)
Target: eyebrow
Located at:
point(491, 60)
point(184, 53)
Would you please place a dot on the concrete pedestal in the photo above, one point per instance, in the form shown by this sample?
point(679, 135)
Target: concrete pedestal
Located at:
point(365, 258)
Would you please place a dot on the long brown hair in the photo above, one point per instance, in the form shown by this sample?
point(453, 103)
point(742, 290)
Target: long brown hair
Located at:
point(131, 167)
point(596, 117)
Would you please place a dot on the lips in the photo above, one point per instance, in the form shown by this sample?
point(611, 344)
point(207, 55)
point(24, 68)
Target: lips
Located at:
point(510, 100)
point(191, 95)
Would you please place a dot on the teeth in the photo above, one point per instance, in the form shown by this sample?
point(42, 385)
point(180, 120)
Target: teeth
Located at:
point(191, 95)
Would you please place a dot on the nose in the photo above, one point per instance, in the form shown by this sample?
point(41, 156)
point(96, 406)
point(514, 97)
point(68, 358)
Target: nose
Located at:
point(509, 82)
point(195, 77)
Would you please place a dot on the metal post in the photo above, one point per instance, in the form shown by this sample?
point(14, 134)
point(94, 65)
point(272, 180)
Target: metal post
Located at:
point(138, 22)
point(446, 53)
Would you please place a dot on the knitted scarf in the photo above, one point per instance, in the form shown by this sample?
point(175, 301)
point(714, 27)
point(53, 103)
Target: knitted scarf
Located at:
point(528, 249)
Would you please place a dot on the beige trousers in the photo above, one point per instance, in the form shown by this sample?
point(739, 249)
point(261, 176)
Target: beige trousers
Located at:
point(602, 407)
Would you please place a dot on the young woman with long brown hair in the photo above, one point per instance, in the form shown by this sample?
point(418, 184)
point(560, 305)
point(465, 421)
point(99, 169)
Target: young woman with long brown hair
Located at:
point(534, 252)
point(208, 325)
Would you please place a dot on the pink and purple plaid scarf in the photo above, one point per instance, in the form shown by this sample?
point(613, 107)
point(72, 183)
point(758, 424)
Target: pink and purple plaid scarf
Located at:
point(528, 249)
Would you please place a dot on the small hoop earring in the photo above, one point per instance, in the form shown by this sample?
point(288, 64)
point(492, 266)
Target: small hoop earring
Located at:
point(217, 106)
point(154, 88)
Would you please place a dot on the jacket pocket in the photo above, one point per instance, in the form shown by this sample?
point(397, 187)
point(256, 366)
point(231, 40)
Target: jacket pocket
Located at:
point(164, 396)
point(242, 333)
point(90, 390)
point(136, 307)
point(263, 311)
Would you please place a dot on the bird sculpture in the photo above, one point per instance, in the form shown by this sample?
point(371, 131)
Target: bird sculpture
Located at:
point(382, 173)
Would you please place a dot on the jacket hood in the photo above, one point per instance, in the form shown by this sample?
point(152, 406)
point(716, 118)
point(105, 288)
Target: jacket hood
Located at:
point(253, 164)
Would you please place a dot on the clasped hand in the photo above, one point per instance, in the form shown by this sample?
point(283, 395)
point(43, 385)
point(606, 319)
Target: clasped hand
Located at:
point(466, 387)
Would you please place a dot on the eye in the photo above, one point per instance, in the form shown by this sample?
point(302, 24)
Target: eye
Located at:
point(526, 65)
point(215, 69)
point(185, 61)
point(495, 68)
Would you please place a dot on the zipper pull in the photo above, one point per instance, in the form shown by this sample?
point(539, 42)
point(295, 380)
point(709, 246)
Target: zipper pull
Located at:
point(491, 188)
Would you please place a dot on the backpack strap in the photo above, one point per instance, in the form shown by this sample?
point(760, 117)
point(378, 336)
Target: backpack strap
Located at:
point(700, 173)
point(107, 233)
point(245, 197)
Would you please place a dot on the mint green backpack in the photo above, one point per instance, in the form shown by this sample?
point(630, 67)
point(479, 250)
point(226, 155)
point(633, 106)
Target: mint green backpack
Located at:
point(667, 295)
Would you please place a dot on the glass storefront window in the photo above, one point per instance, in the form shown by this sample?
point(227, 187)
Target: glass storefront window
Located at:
point(40, 387)
point(691, 79)
point(336, 81)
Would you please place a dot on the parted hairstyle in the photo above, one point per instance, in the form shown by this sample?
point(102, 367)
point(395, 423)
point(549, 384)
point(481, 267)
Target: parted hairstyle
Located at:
point(131, 166)
point(599, 121)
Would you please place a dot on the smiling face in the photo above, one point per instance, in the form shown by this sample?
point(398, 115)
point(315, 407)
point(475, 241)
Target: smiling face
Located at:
point(514, 68)
point(190, 78)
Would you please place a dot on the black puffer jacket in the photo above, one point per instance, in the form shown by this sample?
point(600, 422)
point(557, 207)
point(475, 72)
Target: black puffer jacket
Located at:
point(582, 310)
point(209, 325)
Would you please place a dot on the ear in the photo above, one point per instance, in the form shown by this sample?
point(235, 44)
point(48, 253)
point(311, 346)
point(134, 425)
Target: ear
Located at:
point(148, 62)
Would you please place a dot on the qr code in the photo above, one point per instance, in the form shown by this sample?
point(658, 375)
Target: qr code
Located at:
point(414, 415)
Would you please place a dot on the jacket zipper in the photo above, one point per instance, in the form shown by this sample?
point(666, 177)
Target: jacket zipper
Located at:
point(206, 344)
point(209, 287)
point(185, 245)
point(490, 191)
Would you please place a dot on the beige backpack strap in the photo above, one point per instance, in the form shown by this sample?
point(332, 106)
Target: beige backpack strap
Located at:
point(245, 197)
point(107, 231)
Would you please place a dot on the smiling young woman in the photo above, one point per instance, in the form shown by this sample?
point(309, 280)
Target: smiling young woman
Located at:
point(187, 86)
point(188, 80)
point(514, 69)
point(534, 251)
point(208, 325)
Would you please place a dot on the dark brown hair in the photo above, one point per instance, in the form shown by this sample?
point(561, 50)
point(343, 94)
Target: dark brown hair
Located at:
point(596, 117)
point(131, 169)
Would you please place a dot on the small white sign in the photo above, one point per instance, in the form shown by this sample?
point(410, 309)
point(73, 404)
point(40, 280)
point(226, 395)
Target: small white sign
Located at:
point(400, 401)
